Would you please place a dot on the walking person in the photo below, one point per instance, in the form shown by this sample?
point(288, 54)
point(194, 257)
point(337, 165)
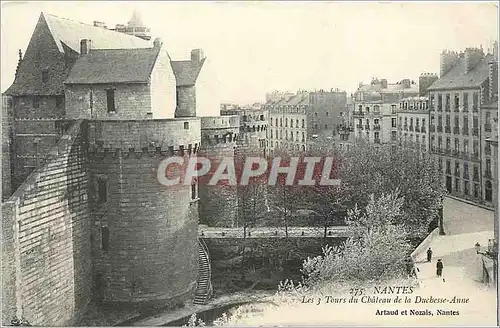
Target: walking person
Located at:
point(429, 255)
point(439, 268)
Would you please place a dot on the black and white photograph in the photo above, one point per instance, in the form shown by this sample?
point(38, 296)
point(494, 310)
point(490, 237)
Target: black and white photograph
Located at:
point(249, 163)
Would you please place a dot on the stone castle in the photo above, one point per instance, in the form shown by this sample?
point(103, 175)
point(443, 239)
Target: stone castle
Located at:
point(88, 118)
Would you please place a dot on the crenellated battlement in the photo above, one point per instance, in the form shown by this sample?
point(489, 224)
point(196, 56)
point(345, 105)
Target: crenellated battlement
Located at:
point(165, 136)
point(217, 130)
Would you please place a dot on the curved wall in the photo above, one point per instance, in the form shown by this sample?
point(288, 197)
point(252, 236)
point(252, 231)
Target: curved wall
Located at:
point(144, 234)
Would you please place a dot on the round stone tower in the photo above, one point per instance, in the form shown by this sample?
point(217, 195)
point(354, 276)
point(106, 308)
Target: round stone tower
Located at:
point(144, 234)
point(218, 204)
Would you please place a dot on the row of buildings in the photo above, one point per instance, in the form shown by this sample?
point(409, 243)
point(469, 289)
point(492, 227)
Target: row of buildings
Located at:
point(451, 115)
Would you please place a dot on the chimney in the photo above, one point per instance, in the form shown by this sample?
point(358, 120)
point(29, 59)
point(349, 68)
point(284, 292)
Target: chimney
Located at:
point(157, 43)
point(472, 57)
point(493, 78)
point(448, 59)
point(197, 56)
point(383, 82)
point(425, 80)
point(85, 46)
point(100, 24)
point(406, 83)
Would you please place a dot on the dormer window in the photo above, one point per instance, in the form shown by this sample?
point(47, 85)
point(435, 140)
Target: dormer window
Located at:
point(45, 75)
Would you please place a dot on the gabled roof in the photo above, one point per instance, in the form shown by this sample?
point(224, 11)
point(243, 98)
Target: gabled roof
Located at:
point(186, 71)
point(457, 78)
point(114, 66)
point(70, 33)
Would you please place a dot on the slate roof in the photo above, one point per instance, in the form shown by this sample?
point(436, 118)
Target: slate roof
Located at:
point(114, 66)
point(186, 72)
point(457, 78)
point(70, 33)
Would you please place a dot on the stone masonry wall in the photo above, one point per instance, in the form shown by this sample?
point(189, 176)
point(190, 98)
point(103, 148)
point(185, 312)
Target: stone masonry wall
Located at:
point(218, 204)
point(144, 234)
point(46, 249)
point(132, 101)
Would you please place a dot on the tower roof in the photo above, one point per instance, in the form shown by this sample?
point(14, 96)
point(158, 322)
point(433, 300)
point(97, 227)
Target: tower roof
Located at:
point(136, 20)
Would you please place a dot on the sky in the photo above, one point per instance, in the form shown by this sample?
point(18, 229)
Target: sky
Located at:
point(257, 47)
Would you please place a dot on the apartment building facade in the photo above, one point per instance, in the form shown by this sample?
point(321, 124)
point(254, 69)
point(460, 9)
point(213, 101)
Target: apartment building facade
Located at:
point(461, 107)
point(288, 125)
point(375, 109)
point(412, 123)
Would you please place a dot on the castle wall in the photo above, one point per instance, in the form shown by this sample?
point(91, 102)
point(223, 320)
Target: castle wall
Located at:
point(163, 92)
point(253, 132)
point(144, 234)
point(218, 204)
point(6, 144)
point(132, 101)
point(45, 229)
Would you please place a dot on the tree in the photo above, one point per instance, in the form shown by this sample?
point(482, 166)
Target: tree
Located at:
point(378, 250)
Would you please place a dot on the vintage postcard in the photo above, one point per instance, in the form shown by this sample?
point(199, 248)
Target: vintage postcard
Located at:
point(249, 163)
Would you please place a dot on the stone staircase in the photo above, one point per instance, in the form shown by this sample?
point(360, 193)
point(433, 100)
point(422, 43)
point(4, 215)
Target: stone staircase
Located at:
point(204, 285)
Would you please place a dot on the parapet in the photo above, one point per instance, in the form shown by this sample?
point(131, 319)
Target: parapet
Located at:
point(162, 136)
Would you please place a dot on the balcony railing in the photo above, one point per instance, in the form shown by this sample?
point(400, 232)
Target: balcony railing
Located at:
point(432, 128)
point(487, 127)
point(376, 127)
point(358, 113)
point(465, 131)
point(475, 132)
point(439, 128)
point(456, 130)
point(447, 129)
point(456, 153)
point(464, 155)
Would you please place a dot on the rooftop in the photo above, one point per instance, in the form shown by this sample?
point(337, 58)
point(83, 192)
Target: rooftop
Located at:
point(457, 78)
point(186, 71)
point(114, 66)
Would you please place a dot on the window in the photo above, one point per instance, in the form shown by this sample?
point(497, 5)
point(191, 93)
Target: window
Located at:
point(475, 101)
point(393, 121)
point(286, 122)
point(457, 101)
point(110, 98)
point(440, 102)
point(326, 126)
point(466, 171)
point(457, 145)
point(303, 123)
point(466, 187)
point(105, 238)
point(448, 166)
point(465, 101)
point(186, 125)
point(315, 114)
point(102, 191)
point(488, 190)
point(457, 185)
point(466, 146)
point(45, 75)
point(36, 101)
point(297, 123)
point(375, 121)
point(194, 190)
point(59, 101)
point(326, 113)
